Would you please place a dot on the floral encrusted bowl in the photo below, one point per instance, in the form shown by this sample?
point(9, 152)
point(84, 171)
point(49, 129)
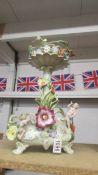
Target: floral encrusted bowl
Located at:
point(55, 54)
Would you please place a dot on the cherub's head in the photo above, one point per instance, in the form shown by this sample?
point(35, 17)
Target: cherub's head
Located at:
point(75, 105)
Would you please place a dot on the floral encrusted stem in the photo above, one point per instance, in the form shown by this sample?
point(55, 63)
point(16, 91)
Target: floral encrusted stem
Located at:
point(48, 97)
point(47, 72)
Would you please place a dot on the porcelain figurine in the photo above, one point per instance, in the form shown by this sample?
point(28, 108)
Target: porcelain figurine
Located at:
point(43, 127)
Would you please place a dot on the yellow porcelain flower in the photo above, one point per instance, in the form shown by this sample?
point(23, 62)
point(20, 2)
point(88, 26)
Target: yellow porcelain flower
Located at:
point(11, 132)
point(42, 82)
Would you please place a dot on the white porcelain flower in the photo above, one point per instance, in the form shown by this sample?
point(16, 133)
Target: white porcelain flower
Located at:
point(33, 53)
point(46, 48)
point(39, 51)
point(55, 49)
point(45, 40)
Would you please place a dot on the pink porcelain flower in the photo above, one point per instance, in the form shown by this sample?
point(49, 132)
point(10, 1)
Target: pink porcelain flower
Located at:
point(45, 117)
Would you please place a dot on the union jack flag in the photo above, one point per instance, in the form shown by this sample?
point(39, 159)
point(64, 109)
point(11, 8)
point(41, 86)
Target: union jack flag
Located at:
point(26, 84)
point(63, 82)
point(3, 82)
point(90, 79)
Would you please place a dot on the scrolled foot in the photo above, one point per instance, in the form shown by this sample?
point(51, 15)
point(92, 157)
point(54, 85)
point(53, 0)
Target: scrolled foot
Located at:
point(46, 144)
point(17, 151)
point(68, 149)
point(20, 148)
